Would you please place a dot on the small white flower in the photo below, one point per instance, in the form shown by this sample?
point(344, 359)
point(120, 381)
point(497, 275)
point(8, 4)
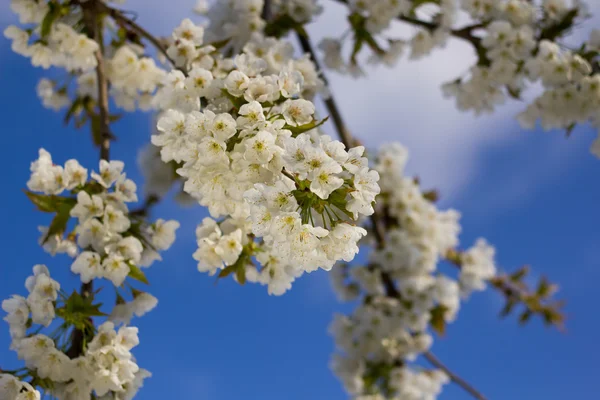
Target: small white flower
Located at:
point(162, 233)
point(87, 207)
point(115, 220)
point(115, 269)
point(88, 266)
point(109, 172)
point(74, 174)
point(298, 112)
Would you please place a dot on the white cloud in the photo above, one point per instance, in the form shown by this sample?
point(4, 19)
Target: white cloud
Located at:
point(528, 173)
point(405, 104)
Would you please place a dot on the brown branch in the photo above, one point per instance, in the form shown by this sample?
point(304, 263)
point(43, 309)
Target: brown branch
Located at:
point(391, 291)
point(118, 16)
point(123, 20)
point(92, 11)
point(330, 102)
point(340, 125)
point(516, 291)
point(142, 211)
point(267, 11)
point(378, 224)
point(464, 33)
point(453, 376)
point(102, 99)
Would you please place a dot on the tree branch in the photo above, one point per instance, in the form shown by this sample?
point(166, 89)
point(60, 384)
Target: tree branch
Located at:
point(102, 98)
point(330, 102)
point(464, 33)
point(267, 10)
point(123, 20)
point(454, 377)
point(92, 11)
point(378, 227)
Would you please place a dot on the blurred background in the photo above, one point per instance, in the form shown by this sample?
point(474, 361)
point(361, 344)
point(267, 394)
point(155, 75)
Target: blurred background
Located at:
point(534, 195)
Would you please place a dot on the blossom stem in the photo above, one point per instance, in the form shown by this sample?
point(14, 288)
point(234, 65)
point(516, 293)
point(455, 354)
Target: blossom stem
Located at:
point(453, 376)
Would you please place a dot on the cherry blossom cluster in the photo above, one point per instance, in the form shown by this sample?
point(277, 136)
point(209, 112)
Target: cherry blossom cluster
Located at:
point(522, 48)
point(254, 156)
point(237, 126)
point(571, 84)
point(517, 43)
point(60, 46)
point(404, 291)
point(237, 21)
point(107, 364)
point(112, 243)
point(133, 78)
point(51, 37)
point(13, 388)
point(108, 241)
point(371, 19)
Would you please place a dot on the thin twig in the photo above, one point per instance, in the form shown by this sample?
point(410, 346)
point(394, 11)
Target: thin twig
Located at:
point(267, 11)
point(464, 33)
point(455, 378)
point(102, 99)
point(340, 125)
point(122, 19)
point(330, 102)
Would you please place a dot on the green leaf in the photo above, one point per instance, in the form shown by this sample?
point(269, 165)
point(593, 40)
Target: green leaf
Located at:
point(418, 3)
point(81, 121)
point(358, 44)
point(96, 129)
point(514, 92)
point(236, 101)
point(558, 28)
point(75, 108)
point(136, 273)
point(296, 130)
point(78, 310)
point(525, 317)
point(570, 129)
point(437, 321)
point(508, 307)
point(227, 271)
point(114, 117)
point(545, 288)
point(281, 26)
point(51, 16)
point(240, 274)
point(60, 220)
point(135, 231)
point(220, 44)
point(431, 195)
point(519, 274)
point(44, 203)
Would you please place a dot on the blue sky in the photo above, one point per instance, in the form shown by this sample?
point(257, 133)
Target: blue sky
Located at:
point(533, 195)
